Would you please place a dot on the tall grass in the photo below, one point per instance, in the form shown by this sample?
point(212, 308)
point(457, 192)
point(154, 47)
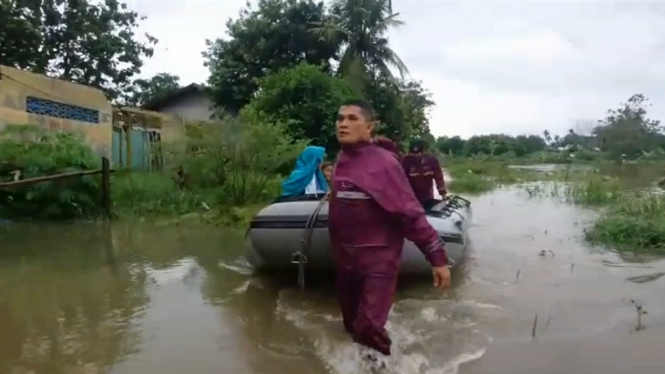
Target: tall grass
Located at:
point(631, 220)
point(476, 176)
point(142, 195)
point(635, 223)
point(594, 193)
point(219, 169)
point(470, 183)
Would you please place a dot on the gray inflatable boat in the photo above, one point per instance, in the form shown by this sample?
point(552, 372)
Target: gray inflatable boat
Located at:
point(289, 232)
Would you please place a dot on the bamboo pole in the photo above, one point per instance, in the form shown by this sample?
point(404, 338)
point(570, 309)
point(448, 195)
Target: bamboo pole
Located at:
point(106, 187)
point(49, 178)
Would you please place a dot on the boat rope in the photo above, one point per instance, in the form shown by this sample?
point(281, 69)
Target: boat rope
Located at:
point(300, 257)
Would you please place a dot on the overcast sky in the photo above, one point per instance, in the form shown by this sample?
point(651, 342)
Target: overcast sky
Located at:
point(492, 66)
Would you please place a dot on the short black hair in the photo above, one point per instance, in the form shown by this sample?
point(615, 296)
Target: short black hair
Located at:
point(418, 145)
point(365, 107)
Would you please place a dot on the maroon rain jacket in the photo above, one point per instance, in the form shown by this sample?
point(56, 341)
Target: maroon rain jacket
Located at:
point(372, 210)
point(422, 170)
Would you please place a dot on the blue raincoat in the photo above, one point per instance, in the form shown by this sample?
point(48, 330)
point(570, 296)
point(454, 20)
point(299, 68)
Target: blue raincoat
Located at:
point(307, 167)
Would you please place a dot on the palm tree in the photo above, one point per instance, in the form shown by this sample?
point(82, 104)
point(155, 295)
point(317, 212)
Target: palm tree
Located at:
point(360, 26)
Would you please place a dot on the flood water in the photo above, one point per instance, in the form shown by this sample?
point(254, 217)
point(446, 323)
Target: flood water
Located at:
point(138, 299)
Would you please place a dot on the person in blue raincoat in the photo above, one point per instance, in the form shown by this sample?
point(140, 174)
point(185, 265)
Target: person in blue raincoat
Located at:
point(307, 177)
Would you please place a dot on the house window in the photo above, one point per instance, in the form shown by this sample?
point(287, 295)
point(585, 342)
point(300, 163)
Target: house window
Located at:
point(50, 108)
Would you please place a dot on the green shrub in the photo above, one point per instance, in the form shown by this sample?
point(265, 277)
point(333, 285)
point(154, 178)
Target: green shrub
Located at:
point(28, 151)
point(317, 96)
point(239, 158)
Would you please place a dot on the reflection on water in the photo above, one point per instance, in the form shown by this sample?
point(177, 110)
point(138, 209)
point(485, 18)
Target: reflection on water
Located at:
point(629, 174)
point(645, 278)
point(63, 307)
point(548, 168)
point(93, 298)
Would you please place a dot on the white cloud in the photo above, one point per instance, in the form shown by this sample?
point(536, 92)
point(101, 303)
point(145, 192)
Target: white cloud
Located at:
point(492, 66)
point(466, 109)
point(539, 47)
point(182, 28)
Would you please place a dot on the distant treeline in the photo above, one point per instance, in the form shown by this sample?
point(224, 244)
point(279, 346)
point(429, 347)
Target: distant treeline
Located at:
point(624, 133)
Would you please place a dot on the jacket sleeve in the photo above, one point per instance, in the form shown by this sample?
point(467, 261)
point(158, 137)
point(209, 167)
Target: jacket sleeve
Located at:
point(394, 194)
point(438, 175)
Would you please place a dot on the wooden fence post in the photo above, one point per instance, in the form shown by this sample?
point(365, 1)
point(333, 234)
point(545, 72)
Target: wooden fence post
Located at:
point(106, 187)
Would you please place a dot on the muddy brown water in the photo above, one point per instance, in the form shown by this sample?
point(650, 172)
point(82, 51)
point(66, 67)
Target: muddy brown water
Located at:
point(89, 298)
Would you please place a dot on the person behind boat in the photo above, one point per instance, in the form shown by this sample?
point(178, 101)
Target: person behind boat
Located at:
point(387, 144)
point(307, 177)
point(423, 170)
point(372, 210)
point(327, 169)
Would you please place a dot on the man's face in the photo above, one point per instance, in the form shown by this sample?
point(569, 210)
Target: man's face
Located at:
point(352, 126)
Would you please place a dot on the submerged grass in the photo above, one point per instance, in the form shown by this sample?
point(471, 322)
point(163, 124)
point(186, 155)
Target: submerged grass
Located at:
point(632, 216)
point(634, 223)
point(628, 233)
point(592, 192)
point(471, 183)
point(631, 220)
point(477, 176)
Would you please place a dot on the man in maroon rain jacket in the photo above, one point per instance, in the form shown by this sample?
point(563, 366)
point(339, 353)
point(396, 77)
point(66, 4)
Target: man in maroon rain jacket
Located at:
point(372, 210)
point(422, 170)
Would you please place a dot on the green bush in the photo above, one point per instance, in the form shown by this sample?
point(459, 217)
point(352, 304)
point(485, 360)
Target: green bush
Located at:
point(238, 158)
point(28, 151)
point(318, 96)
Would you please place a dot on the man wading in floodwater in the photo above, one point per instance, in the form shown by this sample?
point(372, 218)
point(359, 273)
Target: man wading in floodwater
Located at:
point(372, 209)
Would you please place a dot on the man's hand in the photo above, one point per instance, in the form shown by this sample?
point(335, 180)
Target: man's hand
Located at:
point(441, 277)
point(443, 193)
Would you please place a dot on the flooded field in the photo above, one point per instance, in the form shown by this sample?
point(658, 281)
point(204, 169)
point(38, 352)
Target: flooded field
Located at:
point(91, 298)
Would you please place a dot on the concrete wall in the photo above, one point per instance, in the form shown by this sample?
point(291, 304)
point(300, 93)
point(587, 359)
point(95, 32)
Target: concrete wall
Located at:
point(192, 107)
point(16, 86)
